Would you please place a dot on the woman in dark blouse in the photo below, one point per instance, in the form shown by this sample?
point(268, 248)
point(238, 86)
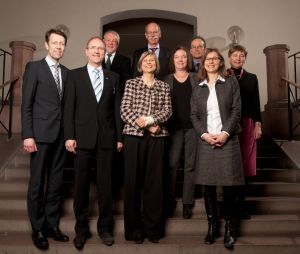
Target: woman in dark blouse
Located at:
point(251, 118)
point(182, 134)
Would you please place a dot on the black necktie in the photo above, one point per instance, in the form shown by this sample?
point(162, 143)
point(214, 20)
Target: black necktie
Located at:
point(108, 62)
point(153, 50)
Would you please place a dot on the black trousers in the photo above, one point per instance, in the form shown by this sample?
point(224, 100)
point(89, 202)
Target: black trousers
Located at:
point(103, 160)
point(43, 204)
point(143, 185)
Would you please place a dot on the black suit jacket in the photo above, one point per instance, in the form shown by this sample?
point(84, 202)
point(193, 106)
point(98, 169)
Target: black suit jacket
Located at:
point(41, 105)
point(85, 118)
point(122, 66)
point(163, 58)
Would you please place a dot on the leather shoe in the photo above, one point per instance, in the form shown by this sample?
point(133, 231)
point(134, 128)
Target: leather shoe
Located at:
point(39, 240)
point(107, 238)
point(187, 211)
point(153, 239)
point(138, 237)
point(80, 240)
point(56, 234)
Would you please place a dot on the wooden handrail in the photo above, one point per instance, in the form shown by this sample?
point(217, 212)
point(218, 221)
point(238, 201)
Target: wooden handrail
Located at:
point(291, 82)
point(9, 82)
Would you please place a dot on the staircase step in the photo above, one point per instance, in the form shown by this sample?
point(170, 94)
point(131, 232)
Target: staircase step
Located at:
point(256, 205)
point(277, 175)
point(167, 245)
point(264, 225)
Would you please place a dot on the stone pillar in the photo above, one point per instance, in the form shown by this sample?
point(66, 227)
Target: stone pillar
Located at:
point(276, 109)
point(22, 53)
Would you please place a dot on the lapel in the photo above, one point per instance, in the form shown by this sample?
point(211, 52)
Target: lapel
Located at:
point(49, 76)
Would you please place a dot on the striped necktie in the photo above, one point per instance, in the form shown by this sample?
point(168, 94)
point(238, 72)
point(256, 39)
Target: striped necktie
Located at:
point(57, 80)
point(97, 84)
point(108, 62)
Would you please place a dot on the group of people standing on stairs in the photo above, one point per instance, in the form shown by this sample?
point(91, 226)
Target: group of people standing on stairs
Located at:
point(162, 107)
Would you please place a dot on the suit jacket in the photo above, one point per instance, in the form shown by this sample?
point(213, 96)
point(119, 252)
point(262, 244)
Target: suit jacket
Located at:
point(163, 58)
point(85, 118)
point(229, 101)
point(41, 105)
point(122, 66)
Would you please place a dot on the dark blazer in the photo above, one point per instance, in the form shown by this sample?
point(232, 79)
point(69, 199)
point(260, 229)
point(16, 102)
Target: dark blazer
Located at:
point(229, 100)
point(121, 65)
point(41, 105)
point(163, 58)
point(84, 118)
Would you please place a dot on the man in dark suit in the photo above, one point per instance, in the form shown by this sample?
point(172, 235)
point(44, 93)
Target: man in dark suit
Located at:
point(153, 35)
point(197, 50)
point(93, 132)
point(42, 134)
point(114, 61)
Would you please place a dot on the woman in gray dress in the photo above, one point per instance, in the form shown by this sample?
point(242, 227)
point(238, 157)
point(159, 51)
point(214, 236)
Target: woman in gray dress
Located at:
point(215, 114)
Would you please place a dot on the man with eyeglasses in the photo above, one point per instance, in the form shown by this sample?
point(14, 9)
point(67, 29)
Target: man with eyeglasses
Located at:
point(93, 133)
point(114, 61)
point(198, 45)
point(153, 35)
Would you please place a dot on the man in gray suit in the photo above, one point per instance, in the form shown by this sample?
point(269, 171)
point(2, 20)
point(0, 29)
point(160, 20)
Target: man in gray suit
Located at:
point(43, 85)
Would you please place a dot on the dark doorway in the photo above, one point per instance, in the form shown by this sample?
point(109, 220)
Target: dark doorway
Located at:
point(132, 33)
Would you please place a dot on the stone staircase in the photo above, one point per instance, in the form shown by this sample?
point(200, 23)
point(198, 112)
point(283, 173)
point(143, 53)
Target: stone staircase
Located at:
point(274, 203)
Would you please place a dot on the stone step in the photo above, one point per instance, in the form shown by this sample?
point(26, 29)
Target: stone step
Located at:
point(277, 175)
point(256, 189)
point(22, 244)
point(256, 205)
point(264, 225)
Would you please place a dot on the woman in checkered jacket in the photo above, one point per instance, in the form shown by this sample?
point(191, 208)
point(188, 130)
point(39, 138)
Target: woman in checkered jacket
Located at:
point(145, 108)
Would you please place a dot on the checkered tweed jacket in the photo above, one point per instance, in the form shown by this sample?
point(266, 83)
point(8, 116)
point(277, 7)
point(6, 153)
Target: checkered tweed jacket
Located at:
point(136, 103)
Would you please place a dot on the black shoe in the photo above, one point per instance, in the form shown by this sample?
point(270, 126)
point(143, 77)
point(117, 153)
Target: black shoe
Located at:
point(80, 240)
point(210, 237)
point(39, 240)
point(107, 238)
point(56, 234)
point(229, 236)
point(153, 239)
point(187, 211)
point(138, 237)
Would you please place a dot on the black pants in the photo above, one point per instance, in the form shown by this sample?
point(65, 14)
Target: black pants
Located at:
point(84, 161)
point(143, 185)
point(47, 162)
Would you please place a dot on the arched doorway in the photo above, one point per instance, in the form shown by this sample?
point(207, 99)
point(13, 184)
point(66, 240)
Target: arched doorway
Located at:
point(177, 28)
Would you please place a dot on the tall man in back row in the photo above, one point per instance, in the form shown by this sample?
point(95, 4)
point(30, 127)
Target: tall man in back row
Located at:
point(153, 35)
point(42, 134)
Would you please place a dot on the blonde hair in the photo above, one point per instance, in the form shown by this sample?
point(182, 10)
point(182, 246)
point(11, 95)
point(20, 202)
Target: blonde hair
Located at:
point(143, 56)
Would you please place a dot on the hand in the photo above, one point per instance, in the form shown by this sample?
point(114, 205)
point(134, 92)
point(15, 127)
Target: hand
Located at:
point(29, 145)
point(154, 129)
point(71, 145)
point(257, 131)
point(221, 139)
point(209, 139)
point(119, 146)
point(141, 122)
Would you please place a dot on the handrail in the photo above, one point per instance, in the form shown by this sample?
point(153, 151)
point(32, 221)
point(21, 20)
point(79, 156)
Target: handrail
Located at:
point(8, 82)
point(3, 56)
point(9, 99)
point(294, 54)
point(291, 82)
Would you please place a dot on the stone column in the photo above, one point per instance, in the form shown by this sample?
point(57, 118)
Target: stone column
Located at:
point(22, 53)
point(276, 109)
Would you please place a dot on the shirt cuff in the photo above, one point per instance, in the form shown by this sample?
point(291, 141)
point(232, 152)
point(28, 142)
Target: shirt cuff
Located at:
point(226, 133)
point(149, 120)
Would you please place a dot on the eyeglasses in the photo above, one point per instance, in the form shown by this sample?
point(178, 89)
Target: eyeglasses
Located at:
point(198, 47)
point(214, 59)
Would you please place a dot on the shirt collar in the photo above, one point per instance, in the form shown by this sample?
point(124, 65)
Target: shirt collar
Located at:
point(50, 61)
point(91, 68)
point(204, 82)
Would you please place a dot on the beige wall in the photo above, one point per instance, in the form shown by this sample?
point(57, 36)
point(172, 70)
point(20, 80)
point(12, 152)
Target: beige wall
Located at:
point(265, 22)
